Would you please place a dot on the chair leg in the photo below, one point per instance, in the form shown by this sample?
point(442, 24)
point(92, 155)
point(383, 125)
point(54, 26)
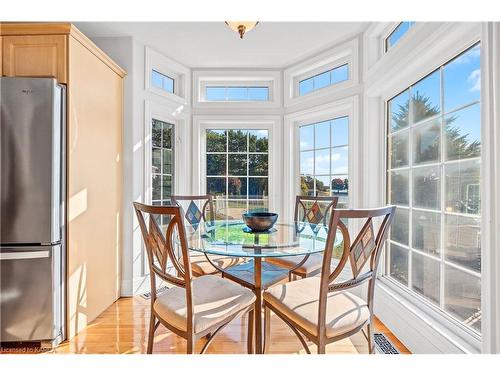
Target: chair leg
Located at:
point(267, 329)
point(250, 332)
point(369, 334)
point(190, 345)
point(151, 334)
point(321, 348)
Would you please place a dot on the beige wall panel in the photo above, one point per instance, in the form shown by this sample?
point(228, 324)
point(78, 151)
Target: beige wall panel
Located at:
point(94, 186)
point(35, 56)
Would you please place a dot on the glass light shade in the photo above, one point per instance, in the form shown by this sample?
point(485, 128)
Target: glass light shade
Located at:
point(241, 27)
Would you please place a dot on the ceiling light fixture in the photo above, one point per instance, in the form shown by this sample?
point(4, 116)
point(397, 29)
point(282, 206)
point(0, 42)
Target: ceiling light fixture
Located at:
point(241, 27)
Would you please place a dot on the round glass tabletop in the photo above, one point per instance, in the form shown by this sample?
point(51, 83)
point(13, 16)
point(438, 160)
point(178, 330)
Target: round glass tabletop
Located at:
point(231, 238)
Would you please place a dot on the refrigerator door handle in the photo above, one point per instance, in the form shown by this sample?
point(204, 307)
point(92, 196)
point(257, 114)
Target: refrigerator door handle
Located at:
point(24, 255)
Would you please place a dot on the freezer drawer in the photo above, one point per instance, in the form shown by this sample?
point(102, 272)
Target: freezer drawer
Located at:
point(31, 299)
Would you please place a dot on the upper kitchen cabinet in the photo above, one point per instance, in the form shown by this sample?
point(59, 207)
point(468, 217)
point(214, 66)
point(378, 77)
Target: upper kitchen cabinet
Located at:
point(35, 56)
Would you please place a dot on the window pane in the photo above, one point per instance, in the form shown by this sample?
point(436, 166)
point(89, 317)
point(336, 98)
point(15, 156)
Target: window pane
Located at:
point(340, 188)
point(462, 79)
point(167, 187)
point(340, 131)
point(234, 209)
point(398, 263)
point(167, 161)
point(216, 164)
point(215, 93)
point(156, 79)
point(237, 187)
point(340, 74)
point(258, 141)
point(398, 111)
point(426, 274)
point(168, 84)
point(156, 134)
point(340, 160)
point(156, 187)
point(463, 241)
point(463, 133)
point(216, 140)
point(167, 135)
point(427, 232)
point(156, 162)
point(258, 165)
point(426, 142)
point(237, 93)
point(322, 134)
point(398, 182)
point(257, 187)
point(258, 205)
point(216, 186)
point(306, 86)
point(398, 149)
point(323, 185)
point(237, 140)
point(426, 97)
point(322, 161)
point(321, 80)
point(400, 226)
point(307, 162)
point(237, 165)
point(258, 93)
point(397, 34)
point(463, 296)
point(463, 187)
point(307, 137)
point(427, 187)
point(306, 185)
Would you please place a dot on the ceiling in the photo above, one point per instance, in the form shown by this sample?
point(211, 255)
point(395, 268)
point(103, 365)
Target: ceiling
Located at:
point(214, 45)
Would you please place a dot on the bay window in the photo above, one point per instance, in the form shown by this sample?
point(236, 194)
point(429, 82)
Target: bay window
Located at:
point(433, 177)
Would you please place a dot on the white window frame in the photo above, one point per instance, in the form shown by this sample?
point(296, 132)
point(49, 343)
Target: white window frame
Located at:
point(255, 78)
point(347, 107)
point(346, 53)
point(270, 123)
point(423, 328)
point(170, 68)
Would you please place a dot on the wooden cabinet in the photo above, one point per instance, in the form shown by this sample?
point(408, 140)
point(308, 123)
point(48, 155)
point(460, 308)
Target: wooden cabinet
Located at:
point(94, 155)
point(35, 56)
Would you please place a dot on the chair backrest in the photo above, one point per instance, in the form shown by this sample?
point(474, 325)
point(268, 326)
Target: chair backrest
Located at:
point(160, 248)
point(314, 210)
point(197, 208)
point(364, 249)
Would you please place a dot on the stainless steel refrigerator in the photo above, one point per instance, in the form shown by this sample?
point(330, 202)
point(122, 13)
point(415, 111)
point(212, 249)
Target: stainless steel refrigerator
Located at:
point(32, 189)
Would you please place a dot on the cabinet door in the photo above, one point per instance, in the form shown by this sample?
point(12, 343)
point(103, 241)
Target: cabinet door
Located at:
point(35, 56)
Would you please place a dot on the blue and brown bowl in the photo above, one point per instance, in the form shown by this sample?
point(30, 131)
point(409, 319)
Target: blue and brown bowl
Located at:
point(259, 221)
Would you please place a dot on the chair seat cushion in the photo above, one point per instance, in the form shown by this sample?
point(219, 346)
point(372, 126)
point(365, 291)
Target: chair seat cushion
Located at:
point(311, 265)
point(298, 300)
point(214, 300)
point(201, 266)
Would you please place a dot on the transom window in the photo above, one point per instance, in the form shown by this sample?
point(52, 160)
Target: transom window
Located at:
point(433, 176)
point(161, 162)
point(237, 170)
point(325, 79)
point(236, 93)
point(324, 156)
point(397, 34)
point(162, 81)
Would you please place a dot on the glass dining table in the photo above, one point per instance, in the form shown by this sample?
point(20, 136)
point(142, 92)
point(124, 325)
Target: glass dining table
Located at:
point(232, 238)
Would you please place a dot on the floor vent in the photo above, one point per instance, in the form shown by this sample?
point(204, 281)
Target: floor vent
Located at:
point(383, 345)
point(159, 291)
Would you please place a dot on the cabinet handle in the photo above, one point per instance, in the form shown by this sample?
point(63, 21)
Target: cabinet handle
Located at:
point(24, 255)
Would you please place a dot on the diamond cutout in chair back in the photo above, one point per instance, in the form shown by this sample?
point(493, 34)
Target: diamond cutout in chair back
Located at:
point(193, 215)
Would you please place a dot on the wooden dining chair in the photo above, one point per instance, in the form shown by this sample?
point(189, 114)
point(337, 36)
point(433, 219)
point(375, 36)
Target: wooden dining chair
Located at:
point(193, 307)
point(321, 308)
point(198, 209)
point(309, 210)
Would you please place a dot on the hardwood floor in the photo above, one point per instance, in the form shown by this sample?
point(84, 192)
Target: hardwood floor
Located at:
point(123, 327)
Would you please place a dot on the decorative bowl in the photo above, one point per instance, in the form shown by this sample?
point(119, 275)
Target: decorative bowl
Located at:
point(259, 221)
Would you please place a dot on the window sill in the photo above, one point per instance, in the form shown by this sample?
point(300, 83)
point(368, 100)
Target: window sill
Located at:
point(418, 326)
